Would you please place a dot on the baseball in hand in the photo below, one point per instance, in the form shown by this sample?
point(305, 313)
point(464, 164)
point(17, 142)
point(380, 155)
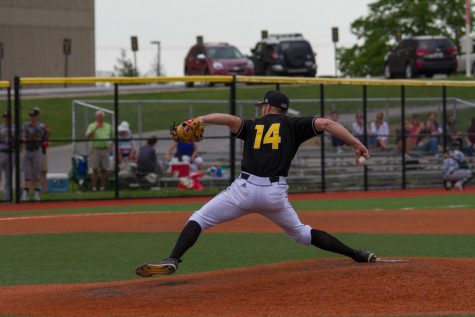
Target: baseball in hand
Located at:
point(362, 160)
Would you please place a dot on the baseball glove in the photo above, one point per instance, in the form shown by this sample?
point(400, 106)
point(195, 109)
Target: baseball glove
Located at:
point(188, 131)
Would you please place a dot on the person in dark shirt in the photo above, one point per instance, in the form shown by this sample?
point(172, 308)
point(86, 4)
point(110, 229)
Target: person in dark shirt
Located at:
point(147, 158)
point(270, 144)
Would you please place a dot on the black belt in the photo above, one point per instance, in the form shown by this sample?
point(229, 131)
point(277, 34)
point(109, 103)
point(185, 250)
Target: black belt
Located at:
point(272, 179)
point(6, 151)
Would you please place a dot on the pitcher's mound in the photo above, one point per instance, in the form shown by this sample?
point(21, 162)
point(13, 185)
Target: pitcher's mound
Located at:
point(328, 287)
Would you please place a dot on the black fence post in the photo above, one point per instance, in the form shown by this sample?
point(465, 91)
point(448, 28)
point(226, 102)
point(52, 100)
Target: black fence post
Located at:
point(116, 143)
point(403, 136)
point(277, 86)
point(232, 140)
point(444, 118)
point(16, 87)
point(9, 179)
point(322, 138)
point(365, 133)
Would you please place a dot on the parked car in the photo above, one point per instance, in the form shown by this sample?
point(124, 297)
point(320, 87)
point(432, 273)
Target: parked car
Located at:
point(421, 55)
point(284, 55)
point(216, 59)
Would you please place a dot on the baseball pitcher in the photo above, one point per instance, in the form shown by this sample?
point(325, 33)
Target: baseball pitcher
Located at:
point(270, 144)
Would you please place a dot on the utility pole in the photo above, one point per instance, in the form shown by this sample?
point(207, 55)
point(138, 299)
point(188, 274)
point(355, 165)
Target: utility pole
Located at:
point(335, 40)
point(135, 47)
point(66, 51)
point(158, 56)
point(468, 62)
point(1, 60)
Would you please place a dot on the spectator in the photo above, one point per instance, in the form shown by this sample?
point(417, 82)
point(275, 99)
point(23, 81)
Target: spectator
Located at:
point(336, 142)
point(399, 139)
point(33, 135)
point(379, 132)
point(186, 152)
point(428, 138)
point(357, 127)
point(470, 138)
point(44, 161)
point(456, 172)
point(7, 148)
point(414, 129)
point(453, 135)
point(126, 145)
point(147, 158)
point(101, 134)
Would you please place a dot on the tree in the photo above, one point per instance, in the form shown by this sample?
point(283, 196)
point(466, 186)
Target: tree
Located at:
point(389, 19)
point(124, 66)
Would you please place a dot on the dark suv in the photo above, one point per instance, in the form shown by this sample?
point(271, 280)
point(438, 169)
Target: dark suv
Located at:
point(284, 55)
point(216, 59)
point(421, 55)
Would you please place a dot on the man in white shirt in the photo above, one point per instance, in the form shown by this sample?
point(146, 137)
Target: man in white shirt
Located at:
point(380, 132)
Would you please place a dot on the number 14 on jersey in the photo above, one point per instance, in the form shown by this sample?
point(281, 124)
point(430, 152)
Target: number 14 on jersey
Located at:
point(271, 136)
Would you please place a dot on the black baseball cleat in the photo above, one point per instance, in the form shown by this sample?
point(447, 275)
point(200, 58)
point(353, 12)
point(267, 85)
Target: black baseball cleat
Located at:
point(163, 267)
point(363, 256)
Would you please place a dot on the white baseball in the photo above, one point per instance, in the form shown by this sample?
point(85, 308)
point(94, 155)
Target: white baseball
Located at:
point(362, 160)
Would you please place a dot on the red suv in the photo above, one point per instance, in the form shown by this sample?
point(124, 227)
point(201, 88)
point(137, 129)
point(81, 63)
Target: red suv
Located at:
point(216, 59)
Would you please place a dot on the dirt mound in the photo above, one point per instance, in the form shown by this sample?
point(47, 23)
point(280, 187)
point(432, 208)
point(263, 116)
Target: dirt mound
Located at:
point(329, 287)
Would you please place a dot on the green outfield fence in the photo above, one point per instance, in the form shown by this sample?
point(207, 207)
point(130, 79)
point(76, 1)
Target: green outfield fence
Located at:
point(320, 85)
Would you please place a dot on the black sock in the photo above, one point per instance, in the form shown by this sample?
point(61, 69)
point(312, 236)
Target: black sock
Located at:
point(327, 242)
point(187, 238)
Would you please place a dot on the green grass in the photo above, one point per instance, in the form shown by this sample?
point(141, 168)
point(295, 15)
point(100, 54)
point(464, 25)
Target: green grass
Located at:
point(94, 257)
point(419, 202)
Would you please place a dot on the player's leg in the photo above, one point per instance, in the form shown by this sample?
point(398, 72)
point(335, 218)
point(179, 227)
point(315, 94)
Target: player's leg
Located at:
point(288, 220)
point(224, 207)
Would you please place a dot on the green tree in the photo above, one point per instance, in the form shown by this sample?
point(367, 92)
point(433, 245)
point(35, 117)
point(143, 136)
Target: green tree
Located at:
point(378, 31)
point(124, 66)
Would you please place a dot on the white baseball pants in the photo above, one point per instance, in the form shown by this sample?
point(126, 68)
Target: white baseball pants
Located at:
point(256, 194)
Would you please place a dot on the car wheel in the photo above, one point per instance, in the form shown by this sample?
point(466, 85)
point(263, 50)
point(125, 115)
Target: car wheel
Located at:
point(409, 71)
point(429, 75)
point(387, 72)
point(209, 84)
point(188, 84)
point(269, 71)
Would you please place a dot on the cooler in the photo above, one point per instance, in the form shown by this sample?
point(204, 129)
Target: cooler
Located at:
point(57, 182)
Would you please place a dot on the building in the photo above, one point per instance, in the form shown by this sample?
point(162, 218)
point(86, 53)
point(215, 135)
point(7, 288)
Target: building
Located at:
point(33, 35)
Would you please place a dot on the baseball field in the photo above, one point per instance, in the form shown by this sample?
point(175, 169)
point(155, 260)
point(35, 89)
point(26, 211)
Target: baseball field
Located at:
point(78, 259)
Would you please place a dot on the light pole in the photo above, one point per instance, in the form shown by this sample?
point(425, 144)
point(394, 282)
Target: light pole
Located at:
point(158, 56)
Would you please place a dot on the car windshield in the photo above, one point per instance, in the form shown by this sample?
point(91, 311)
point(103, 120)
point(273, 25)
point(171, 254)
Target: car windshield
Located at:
point(228, 52)
point(434, 44)
point(303, 45)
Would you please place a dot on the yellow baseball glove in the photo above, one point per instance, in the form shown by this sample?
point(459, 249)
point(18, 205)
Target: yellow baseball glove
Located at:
point(188, 131)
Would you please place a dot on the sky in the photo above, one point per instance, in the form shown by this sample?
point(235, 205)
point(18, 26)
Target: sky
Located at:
point(176, 23)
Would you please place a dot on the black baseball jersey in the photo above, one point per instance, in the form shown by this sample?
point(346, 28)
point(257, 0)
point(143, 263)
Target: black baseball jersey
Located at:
point(270, 143)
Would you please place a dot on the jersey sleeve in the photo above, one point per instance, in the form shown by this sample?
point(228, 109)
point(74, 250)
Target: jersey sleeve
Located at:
point(243, 130)
point(305, 128)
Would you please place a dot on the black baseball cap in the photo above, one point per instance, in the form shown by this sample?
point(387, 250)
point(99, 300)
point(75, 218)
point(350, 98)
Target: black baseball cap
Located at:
point(34, 112)
point(275, 99)
point(6, 114)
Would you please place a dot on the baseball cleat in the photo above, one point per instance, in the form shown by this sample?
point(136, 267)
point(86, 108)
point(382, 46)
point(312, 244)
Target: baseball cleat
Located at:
point(363, 256)
point(163, 267)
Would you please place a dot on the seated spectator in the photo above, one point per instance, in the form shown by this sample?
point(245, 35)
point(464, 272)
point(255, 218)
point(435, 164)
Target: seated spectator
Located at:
point(186, 152)
point(470, 138)
point(414, 129)
point(428, 139)
point(336, 142)
point(379, 133)
point(452, 134)
point(407, 137)
point(126, 146)
point(357, 127)
point(147, 161)
point(456, 172)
